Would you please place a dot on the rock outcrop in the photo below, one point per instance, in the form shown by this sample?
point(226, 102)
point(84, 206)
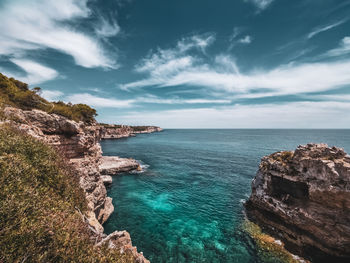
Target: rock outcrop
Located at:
point(303, 198)
point(124, 131)
point(79, 144)
point(111, 165)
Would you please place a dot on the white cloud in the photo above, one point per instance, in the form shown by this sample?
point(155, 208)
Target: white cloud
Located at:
point(245, 40)
point(289, 115)
point(107, 29)
point(172, 68)
point(40, 24)
point(96, 101)
point(35, 72)
point(343, 49)
point(51, 95)
point(325, 28)
point(261, 4)
point(157, 100)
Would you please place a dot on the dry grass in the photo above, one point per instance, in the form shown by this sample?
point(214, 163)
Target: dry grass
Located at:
point(39, 198)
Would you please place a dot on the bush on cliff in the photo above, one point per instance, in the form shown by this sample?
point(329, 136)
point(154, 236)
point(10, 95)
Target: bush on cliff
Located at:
point(17, 94)
point(39, 202)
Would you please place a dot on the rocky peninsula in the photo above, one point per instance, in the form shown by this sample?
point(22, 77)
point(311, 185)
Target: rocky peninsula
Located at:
point(302, 198)
point(112, 131)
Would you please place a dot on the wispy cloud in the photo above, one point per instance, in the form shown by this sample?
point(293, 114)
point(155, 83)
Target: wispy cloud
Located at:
point(157, 100)
point(343, 49)
point(245, 40)
point(107, 28)
point(236, 38)
point(41, 24)
point(171, 67)
point(35, 72)
point(260, 4)
point(99, 102)
point(319, 30)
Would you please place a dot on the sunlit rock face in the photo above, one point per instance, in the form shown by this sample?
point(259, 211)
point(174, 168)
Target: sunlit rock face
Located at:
point(303, 198)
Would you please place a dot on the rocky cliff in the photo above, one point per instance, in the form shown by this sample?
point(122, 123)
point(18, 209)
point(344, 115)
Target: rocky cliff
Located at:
point(303, 199)
point(123, 131)
point(79, 143)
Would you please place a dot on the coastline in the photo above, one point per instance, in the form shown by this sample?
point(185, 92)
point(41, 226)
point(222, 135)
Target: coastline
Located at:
point(79, 144)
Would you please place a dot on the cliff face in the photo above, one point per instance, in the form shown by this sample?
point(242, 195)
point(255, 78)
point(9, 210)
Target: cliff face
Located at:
point(123, 131)
point(80, 145)
point(303, 198)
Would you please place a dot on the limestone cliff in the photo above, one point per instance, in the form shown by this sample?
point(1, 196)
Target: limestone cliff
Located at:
point(79, 143)
point(303, 198)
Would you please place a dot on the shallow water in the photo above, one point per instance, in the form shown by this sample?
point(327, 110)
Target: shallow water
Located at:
point(187, 205)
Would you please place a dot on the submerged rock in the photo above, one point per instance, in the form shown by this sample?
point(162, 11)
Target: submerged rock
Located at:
point(303, 198)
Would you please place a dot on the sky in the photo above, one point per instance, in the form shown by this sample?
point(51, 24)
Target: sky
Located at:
point(186, 63)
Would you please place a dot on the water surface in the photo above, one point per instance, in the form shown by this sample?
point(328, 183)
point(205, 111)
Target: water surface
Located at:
point(187, 205)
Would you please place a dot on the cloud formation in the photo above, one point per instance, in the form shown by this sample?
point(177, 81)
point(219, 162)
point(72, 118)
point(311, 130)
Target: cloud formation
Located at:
point(35, 72)
point(343, 49)
point(325, 28)
point(48, 24)
point(174, 67)
point(260, 4)
point(99, 102)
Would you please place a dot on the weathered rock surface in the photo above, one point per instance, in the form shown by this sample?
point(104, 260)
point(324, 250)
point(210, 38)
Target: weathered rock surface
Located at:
point(80, 145)
point(124, 131)
point(121, 240)
point(107, 179)
point(303, 198)
point(111, 165)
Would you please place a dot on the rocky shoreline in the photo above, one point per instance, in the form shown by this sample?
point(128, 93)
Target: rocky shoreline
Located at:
point(110, 131)
point(79, 144)
point(303, 199)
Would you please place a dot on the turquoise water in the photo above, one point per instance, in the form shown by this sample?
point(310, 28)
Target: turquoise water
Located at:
point(187, 205)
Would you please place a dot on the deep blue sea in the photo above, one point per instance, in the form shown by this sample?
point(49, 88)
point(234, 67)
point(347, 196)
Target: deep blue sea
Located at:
point(187, 205)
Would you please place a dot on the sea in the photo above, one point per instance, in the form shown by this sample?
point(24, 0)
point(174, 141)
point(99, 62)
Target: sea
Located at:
point(187, 204)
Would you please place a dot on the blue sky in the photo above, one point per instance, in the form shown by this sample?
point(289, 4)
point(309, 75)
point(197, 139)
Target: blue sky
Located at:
point(186, 63)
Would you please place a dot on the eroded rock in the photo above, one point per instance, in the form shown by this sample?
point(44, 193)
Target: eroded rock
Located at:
point(303, 198)
point(111, 165)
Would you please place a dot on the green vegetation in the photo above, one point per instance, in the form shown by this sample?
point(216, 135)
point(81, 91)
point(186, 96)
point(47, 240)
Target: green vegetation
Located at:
point(134, 128)
point(139, 128)
point(283, 157)
point(17, 94)
point(113, 126)
point(39, 203)
point(268, 249)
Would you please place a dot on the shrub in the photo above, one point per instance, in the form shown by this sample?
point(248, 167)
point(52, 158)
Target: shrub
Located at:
point(39, 199)
point(17, 94)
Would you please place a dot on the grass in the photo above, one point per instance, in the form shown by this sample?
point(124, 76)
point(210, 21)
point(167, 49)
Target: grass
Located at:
point(39, 200)
point(17, 94)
